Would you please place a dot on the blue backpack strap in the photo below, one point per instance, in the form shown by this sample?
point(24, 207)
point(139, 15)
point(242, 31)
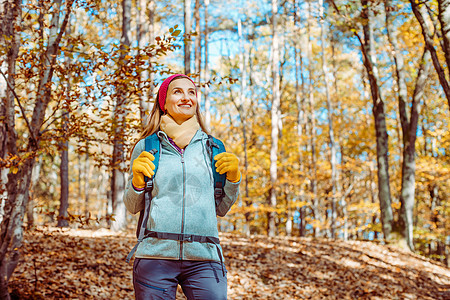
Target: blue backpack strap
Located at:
point(152, 145)
point(215, 146)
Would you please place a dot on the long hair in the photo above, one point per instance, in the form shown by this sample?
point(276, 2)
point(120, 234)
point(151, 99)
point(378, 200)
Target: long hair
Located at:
point(154, 119)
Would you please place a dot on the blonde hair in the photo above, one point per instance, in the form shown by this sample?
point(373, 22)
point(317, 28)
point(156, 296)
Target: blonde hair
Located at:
point(154, 120)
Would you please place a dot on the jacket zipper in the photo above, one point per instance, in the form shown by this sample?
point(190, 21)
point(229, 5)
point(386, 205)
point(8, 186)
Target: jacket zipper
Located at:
point(184, 194)
point(183, 204)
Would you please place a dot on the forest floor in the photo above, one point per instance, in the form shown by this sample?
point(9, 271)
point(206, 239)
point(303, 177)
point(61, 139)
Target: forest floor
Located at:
point(90, 264)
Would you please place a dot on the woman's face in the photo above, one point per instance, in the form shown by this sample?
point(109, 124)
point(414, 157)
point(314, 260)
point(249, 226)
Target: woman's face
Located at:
point(181, 100)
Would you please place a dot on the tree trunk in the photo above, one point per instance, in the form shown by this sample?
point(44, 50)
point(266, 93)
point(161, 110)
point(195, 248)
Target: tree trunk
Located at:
point(409, 128)
point(145, 32)
point(10, 13)
point(198, 41)
point(64, 176)
point(333, 153)
point(120, 113)
point(428, 38)
point(274, 121)
point(198, 49)
point(207, 100)
point(312, 126)
point(444, 19)
point(384, 193)
point(302, 225)
point(64, 166)
point(300, 101)
point(35, 175)
point(243, 117)
point(407, 197)
point(187, 36)
point(87, 178)
point(12, 221)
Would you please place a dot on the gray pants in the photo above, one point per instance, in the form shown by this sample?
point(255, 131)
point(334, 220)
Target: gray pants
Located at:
point(158, 279)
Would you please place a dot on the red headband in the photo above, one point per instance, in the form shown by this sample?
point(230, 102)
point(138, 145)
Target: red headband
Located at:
point(164, 87)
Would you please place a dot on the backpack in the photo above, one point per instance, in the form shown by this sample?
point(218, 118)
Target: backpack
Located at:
point(153, 145)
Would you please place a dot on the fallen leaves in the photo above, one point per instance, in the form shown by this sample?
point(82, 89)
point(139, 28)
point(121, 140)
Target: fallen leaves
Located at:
point(86, 264)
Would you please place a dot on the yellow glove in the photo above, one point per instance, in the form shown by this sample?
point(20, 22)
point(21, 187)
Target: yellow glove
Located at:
point(228, 163)
point(142, 166)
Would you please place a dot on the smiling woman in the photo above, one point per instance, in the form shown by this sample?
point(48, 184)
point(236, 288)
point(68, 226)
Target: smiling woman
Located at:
point(181, 101)
point(178, 240)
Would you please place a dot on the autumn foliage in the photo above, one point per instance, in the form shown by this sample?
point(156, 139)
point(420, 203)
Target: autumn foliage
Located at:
point(90, 264)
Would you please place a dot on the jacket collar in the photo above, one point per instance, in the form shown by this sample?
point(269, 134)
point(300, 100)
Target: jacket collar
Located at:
point(199, 135)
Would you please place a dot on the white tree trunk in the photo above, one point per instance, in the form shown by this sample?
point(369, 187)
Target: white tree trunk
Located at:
point(187, 33)
point(333, 152)
point(275, 119)
point(312, 125)
point(207, 77)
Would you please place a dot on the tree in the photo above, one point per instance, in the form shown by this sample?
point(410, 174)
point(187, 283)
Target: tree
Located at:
point(332, 142)
point(198, 41)
point(10, 13)
point(120, 113)
point(428, 38)
point(275, 119)
point(444, 19)
point(409, 121)
point(207, 75)
point(17, 190)
point(312, 123)
point(187, 36)
point(145, 32)
point(300, 101)
point(64, 165)
point(379, 115)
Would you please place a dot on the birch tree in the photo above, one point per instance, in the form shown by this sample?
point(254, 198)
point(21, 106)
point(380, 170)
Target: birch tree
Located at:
point(198, 41)
point(312, 122)
point(187, 36)
point(11, 235)
point(332, 142)
point(300, 101)
point(17, 190)
point(275, 115)
point(207, 75)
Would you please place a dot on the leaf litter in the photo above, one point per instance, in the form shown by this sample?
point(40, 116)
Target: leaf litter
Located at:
point(90, 264)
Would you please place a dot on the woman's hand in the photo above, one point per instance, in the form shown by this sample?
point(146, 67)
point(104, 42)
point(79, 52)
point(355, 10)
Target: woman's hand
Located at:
point(142, 166)
point(228, 163)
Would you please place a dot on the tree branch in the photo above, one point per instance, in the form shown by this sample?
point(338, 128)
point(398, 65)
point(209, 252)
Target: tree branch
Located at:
point(429, 44)
point(33, 139)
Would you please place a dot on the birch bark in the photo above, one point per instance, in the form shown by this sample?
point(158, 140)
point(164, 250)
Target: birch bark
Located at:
point(275, 114)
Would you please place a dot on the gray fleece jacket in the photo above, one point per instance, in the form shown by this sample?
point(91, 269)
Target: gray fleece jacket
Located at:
point(183, 201)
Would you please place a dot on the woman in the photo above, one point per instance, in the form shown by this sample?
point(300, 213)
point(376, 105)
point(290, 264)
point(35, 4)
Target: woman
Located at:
point(182, 200)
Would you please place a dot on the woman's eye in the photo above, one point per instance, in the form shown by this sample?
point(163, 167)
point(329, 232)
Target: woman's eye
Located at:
point(192, 93)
